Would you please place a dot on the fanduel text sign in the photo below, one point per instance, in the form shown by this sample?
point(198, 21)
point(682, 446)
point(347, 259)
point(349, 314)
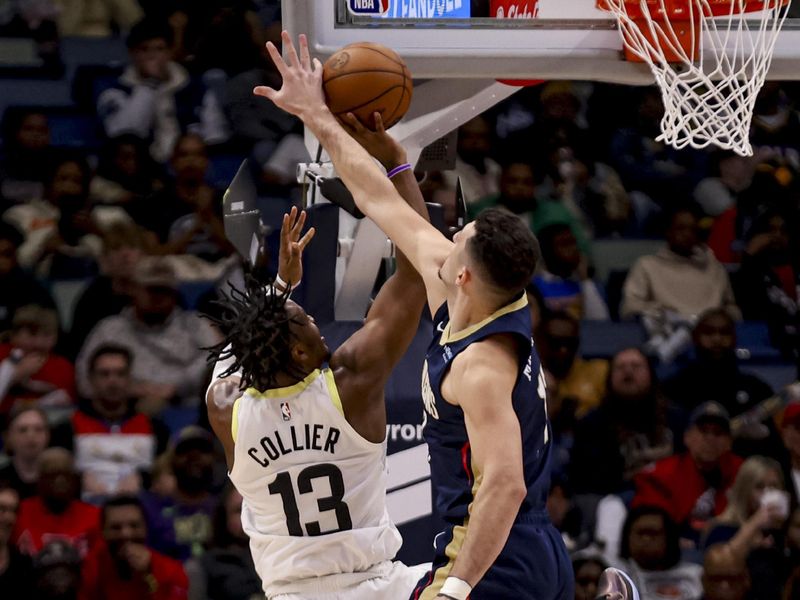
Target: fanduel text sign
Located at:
point(429, 9)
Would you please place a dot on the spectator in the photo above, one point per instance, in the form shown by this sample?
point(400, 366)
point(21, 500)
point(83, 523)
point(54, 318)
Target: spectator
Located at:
point(591, 190)
point(565, 283)
point(517, 193)
point(629, 430)
point(17, 288)
point(57, 572)
point(156, 99)
point(714, 374)
point(576, 385)
point(15, 568)
point(187, 215)
point(230, 38)
point(124, 245)
point(766, 193)
point(790, 430)
point(588, 568)
point(752, 529)
point(478, 170)
point(169, 363)
point(55, 512)
point(26, 147)
point(123, 566)
point(792, 550)
point(692, 487)
point(97, 18)
point(566, 515)
point(724, 575)
point(253, 121)
point(35, 373)
point(746, 521)
point(649, 168)
point(62, 227)
point(26, 437)
point(651, 555)
point(181, 524)
point(669, 289)
point(113, 442)
point(767, 282)
point(125, 172)
point(35, 19)
point(734, 176)
point(226, 571)
point(776, 128)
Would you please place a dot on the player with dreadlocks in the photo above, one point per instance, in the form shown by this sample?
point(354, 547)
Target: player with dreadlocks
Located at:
point(304, 430)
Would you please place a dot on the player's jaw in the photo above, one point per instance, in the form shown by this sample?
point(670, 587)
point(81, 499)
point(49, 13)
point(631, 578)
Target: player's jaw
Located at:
point(454, 269)
point(309, 350)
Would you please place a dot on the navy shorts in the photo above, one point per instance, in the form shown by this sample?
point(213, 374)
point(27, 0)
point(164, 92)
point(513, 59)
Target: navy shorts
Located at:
point(533, 564)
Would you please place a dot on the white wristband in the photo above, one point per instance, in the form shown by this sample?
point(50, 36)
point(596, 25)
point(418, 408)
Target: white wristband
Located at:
point(285, 286)
point(455, 588)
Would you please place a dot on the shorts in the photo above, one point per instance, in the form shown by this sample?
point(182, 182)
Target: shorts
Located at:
point(534, 564)
point(389, 580)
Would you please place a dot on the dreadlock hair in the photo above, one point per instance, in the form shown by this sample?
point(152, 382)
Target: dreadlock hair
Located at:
point(255, 326)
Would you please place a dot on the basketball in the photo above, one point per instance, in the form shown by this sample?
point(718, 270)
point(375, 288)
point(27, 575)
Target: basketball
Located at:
point(364, 78)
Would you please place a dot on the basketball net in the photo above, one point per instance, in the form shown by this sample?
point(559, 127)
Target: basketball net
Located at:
point(709, 57)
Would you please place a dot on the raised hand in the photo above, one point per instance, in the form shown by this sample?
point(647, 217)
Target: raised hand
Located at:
point(378, 143)
point(290, 258)
point(301, 93)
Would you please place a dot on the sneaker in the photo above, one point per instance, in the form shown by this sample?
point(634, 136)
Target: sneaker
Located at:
point(616, 585)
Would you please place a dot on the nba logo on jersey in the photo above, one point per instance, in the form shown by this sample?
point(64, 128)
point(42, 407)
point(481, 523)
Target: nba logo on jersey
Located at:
point(286, 412)
point(368, 7)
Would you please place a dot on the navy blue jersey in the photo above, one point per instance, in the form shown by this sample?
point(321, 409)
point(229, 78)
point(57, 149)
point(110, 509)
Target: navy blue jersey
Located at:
point(534, 562)
point(453, 475)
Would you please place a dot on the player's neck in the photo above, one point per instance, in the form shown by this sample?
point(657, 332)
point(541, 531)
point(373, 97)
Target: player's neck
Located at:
point(283, 380)
point(466, 311)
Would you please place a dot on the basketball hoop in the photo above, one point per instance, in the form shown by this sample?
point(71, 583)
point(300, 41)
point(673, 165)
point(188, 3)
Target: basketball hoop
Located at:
point(709, 57)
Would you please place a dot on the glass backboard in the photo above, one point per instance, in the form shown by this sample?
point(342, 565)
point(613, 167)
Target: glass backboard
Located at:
point(548, 39)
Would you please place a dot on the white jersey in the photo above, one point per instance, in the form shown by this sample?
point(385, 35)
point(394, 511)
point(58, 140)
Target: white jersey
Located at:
point(314, 490)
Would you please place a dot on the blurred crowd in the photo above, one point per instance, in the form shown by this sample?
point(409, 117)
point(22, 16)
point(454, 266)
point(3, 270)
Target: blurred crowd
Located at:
point(670, 459)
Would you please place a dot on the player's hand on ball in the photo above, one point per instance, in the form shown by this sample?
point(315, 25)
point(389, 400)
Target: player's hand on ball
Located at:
point(378, 143)
point(301, 93)
point(290, 258)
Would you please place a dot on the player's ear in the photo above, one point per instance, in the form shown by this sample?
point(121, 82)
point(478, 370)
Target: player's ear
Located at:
point(464, 276)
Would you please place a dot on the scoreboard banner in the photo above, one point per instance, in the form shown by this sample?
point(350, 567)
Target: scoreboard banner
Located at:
point(411, 9)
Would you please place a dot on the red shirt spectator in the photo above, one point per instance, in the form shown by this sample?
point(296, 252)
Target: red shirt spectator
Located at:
point(692, 487)
point(37, 375)
point(56, 513)
point(123, 567)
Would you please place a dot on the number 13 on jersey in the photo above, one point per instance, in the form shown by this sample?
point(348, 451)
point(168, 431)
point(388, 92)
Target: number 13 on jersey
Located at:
point(285, 488)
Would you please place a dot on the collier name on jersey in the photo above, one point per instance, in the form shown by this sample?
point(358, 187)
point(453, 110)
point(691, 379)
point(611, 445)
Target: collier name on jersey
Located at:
point(309, 437)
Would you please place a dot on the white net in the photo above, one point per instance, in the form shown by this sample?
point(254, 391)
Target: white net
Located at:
point(709, 57)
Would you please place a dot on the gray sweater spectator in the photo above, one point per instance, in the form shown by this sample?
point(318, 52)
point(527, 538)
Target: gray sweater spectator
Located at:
point(156, 99)
point(166, 342)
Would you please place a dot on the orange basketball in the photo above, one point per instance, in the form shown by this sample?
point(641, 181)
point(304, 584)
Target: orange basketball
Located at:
point(364, 78)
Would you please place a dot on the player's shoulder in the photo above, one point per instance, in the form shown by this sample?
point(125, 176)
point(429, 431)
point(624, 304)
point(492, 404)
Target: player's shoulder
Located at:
point(495, 353)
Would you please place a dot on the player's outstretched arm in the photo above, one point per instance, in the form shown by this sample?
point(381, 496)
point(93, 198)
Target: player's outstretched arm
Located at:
point(374, 350)
point(482, 380)
point(301, 95)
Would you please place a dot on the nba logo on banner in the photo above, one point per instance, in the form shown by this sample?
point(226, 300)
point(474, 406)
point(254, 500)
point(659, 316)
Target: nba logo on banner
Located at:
point(368, 7)
point(286, 412)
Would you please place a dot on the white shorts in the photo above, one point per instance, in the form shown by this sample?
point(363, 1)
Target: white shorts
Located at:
point(389, 581)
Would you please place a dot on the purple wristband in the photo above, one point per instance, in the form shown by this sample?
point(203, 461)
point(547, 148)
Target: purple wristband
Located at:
point(399, 169)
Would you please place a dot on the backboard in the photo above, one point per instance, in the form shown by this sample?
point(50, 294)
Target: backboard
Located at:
point(567, 39)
